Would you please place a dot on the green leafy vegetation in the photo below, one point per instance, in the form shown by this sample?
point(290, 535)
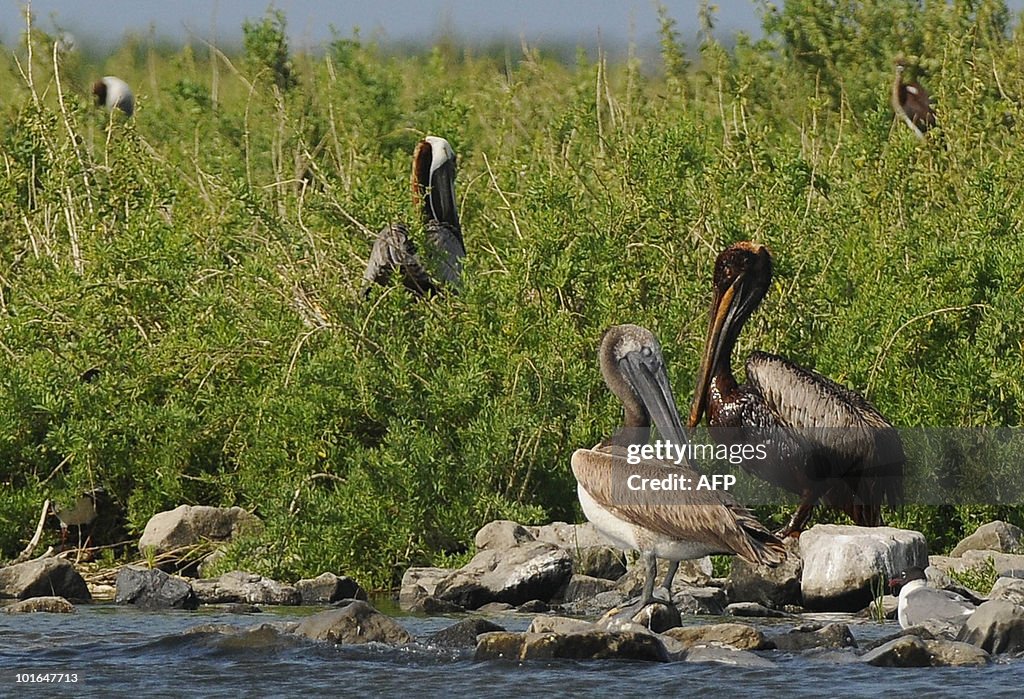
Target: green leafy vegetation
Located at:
point(180, 317)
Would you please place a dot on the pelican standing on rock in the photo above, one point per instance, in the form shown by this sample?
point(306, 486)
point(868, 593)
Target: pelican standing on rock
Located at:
point(911, 103)
point(433, 192)
point(682, 524)
point(821, 440)
point(114, 93)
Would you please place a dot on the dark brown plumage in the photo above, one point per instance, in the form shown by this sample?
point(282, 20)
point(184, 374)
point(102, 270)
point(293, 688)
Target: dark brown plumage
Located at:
point(821, 439)
point(911, 103)
point(433, 191)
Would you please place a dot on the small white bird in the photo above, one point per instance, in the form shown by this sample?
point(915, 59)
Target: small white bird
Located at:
point(920, 603)
point(111, 92)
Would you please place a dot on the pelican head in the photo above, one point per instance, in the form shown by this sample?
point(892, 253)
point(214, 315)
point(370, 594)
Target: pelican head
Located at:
point(433, 180)
point(634, 369)
point(113, 93)
point(742, 275)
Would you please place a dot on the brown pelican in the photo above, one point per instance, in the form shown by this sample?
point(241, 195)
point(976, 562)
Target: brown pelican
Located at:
point(433, 192)
point(114, 93)
point(911, 103)
point(821, 440)
point(676, 525)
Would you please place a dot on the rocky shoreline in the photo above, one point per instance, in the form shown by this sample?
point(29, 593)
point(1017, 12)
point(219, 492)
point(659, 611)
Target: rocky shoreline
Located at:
point(578, 591)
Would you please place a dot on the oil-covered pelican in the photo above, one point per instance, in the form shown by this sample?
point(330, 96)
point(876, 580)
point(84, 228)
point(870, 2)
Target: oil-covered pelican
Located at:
point(911, 103)
point(113, 93)
point(821, 440)
point(675, 525)
point(433, 192)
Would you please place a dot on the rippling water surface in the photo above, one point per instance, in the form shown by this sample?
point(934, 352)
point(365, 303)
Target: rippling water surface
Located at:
point(118, 651)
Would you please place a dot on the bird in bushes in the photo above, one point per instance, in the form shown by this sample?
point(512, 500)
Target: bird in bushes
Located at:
point(113, 93)
point(911, 103)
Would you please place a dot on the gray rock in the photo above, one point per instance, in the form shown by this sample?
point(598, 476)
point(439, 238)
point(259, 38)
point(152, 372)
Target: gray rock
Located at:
point(52, 605)
point(496, 608)
point(239, 586)
point(433, 605)
point(559, 624)
point(602, 562)
point(699, 600)
point(420, 583)
point(889, 605)
point(723, 655)
point(582, 587)
point(772, 587)
point(804, 638)
point(842, 563)
point(994, 536)
point(501, 534)
point(1009, 589)
point(43, 577)
point(1005, 564)
point(740, 636)
point(753, 609)
point(534, 606)
point(696, 572)
point(328, 587)
point(589, 645)
point(153, 589)
point(355, 624)
point(572, 537)
point(188, 525)
point(997, 626)
point(462, 634)
point(911, 651)
point(657, 617)
point(533, 570)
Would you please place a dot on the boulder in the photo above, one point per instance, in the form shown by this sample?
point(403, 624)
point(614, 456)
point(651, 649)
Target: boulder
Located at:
point(1005, 564)
point(433, 605)
point(773, 587)
point(239, 586)
point(153, 589)
point(842, 564)
point(188, 525)
point(328, 587)
point(582, 587)
point(355, 624)
point(559, 624)
point(462, 634)
point(53, 605)
point(753, 609)
point(534, 606)
point(994, 536)
point(1009, 589)
point(602, 562)
point(43, 577)
point(911, 651)
point(588, 645)
point(723, 655)
point(534, 570)
point(420, 583)
point(807, 637)
point(501, 534)
point(740, 636)
point(997, 626)
point(886, 610)
point(656, 617)
point(699, 600)
point(572, 537)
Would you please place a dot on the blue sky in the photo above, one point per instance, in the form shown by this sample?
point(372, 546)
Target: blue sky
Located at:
point(309, 21)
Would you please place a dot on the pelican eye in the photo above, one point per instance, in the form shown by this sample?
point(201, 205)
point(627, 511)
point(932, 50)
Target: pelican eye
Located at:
point(646, 351)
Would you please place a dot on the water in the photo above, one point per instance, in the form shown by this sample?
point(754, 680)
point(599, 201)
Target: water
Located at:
point(119, 651)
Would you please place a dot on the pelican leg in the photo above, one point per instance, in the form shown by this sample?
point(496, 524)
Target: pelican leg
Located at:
point(670, 575)
point(651, 570)
point(799, 519)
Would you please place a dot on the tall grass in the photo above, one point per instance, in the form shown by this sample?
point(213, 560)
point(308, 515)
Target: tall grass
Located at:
point(179, 310)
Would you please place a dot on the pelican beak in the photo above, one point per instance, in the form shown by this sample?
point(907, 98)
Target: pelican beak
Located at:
point(723, 311)
point(645, 371)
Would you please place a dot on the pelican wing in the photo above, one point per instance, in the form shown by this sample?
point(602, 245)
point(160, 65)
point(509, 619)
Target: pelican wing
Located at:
point(708, 516)
point(394, 250)
point(446, 238)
